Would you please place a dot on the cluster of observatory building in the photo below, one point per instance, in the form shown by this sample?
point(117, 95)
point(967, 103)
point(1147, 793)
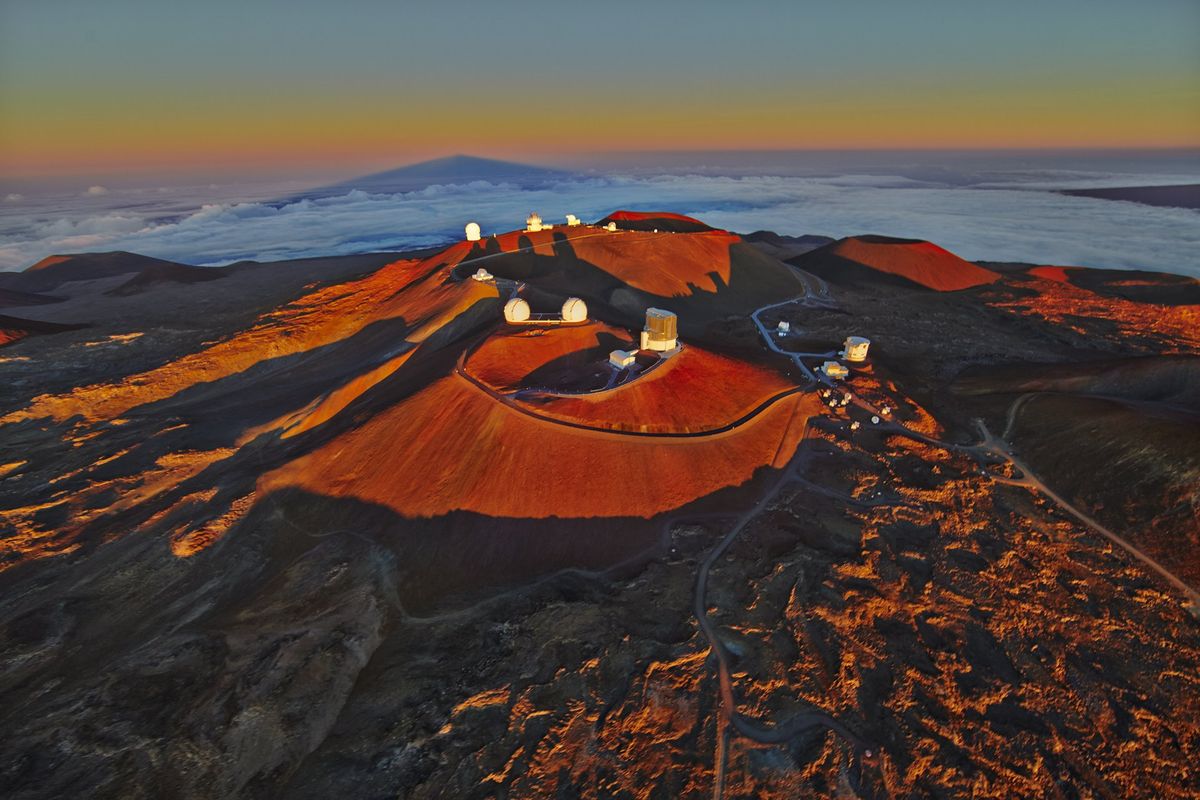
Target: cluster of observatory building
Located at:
point(659, 335)
point(533, 224)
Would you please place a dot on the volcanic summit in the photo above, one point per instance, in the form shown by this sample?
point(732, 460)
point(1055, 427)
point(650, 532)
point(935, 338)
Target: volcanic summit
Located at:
point(624, 509)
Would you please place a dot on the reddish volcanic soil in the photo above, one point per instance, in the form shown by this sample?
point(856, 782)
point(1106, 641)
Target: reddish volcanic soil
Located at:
point(355, 536)
point(553, 470)
point(644, 261)
point(507, 358)
point(1060, 302)
point(675, 396)
point(921, 263)
point(319, 319)
point(650, 220)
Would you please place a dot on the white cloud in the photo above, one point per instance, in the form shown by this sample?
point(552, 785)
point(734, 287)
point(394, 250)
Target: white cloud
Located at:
point(95, 191)
point(13, 197)
point(1000, 224)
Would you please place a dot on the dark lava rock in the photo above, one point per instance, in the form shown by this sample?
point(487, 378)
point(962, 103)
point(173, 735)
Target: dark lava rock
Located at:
point(905, 535)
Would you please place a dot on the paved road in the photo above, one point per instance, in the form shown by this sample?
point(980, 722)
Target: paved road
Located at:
point(750, 728)
point(730, 718)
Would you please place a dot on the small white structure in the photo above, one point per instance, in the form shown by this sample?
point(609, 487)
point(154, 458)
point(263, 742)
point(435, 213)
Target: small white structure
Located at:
point(833, 369)
point(574, 310)
point(572, 221)
point(856, 348)
point(661, 331)
point(622, 358)
point(516, 310)
point(533, 223)
point(784, 328)
point(611, 227)
point(874, 420)
point(482, 275)
point(472, 231)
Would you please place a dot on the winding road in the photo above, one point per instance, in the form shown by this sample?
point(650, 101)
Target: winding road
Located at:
point(990, 449)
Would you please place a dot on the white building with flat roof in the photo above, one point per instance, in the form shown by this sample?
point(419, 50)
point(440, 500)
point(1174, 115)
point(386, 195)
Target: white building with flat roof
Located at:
point(833, 369)
point(622, 358)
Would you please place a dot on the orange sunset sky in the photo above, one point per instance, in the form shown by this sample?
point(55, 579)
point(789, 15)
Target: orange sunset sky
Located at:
point(94, 88)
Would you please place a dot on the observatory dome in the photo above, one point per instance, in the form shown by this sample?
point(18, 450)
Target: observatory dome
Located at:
point(516, 310)
point(472, 231)
point(856, 348)
point(574, 310)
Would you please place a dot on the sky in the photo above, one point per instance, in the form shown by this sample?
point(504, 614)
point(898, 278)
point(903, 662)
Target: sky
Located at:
point(138, 87)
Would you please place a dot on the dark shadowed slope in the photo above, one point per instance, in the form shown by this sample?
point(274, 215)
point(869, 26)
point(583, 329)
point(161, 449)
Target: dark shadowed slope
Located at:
point(12, 297)
point(1185, 196)
point(167, 272)
point(53, 271)
point(13, 329)
point(785, 247)
point(440, 171)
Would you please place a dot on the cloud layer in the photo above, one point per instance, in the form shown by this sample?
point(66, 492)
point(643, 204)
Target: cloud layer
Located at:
point(1008, 222)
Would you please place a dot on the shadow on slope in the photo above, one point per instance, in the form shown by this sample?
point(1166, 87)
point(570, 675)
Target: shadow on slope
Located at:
point(1119, 438)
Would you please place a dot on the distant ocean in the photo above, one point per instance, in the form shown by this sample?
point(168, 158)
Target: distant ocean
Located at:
point(984, 206)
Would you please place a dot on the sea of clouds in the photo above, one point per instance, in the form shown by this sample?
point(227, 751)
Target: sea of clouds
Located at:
point(996, 217)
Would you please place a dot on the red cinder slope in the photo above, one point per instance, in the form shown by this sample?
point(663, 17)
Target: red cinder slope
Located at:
point(650, 220)
point(414, 291)
point(452, 447)
point(509, 356)
point(697, 390)
point(919, 262)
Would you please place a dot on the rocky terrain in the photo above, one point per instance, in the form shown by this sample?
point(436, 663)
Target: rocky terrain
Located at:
point(331, 527)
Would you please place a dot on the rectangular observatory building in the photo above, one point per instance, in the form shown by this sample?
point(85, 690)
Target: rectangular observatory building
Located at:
point(661, 331)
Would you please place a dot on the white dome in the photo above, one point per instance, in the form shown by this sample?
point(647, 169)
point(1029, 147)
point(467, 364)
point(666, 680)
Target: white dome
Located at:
point(472, 231)
point(516, 310)
point(574, 310)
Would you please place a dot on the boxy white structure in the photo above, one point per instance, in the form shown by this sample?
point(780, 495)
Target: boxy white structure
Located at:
point(784, 328)
point(533, 223)
point(833, 369)
point(855, 348)
point(622, 358)
point(472, 231)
